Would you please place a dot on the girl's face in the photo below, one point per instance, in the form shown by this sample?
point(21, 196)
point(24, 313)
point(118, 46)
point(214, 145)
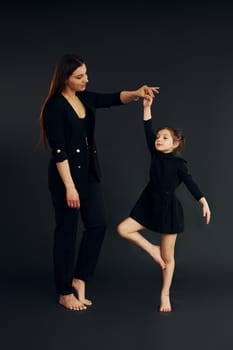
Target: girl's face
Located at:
point(78, 80)
point(164, 141)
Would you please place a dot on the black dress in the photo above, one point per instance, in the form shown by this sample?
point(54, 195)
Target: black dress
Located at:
point(158, 208)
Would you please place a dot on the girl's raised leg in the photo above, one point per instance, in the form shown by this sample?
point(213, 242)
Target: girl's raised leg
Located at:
point(129, 229)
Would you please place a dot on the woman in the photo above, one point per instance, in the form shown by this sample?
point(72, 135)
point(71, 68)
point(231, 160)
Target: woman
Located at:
point(67, 123)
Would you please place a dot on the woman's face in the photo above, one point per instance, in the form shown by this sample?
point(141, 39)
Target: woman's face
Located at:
point(78, 80)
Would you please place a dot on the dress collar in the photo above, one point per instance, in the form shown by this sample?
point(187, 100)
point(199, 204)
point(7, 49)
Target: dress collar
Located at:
point(170, 155)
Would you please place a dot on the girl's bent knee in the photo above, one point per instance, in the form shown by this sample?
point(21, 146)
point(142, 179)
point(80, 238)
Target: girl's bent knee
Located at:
point(121, 229)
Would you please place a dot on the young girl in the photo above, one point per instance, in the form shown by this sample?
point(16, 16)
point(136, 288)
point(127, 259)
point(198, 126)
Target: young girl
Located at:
point(158, 209)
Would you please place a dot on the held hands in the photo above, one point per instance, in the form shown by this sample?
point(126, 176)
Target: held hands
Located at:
point(72, 198)
point(147, 92)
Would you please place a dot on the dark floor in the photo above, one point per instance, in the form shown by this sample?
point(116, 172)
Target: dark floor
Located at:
point(124, 314)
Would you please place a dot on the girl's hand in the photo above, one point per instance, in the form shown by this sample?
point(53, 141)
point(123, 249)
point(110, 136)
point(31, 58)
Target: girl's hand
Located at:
point(147, 101)
point(72, 197)
point(206, 212)
point(205, 209)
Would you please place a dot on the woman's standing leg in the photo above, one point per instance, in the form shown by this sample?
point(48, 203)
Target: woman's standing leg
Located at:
point(168, 242)
point(93, 216)
point(64, 254)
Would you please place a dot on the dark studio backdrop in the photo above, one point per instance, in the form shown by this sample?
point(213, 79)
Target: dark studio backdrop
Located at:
point(186, 49)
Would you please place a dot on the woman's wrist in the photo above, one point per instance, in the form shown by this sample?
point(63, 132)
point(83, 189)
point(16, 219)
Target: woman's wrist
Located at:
point(129, 96)
point(70, 186)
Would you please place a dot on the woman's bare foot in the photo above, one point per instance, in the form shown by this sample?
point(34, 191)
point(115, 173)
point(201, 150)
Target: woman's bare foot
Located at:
point(165, 305)
point(79, 286)
point(156, 255)
point(70, 302)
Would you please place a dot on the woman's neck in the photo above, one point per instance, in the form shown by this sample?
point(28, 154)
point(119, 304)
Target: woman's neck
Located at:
point(71, 94)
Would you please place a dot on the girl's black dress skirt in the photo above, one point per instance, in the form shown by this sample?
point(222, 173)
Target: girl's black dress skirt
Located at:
point(159, 211)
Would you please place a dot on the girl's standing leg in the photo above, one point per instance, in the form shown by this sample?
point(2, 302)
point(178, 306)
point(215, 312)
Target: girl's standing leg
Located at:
point(129, 229)
point(168, 242)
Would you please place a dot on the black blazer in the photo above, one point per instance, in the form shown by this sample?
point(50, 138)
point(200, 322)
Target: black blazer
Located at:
point(64, 131)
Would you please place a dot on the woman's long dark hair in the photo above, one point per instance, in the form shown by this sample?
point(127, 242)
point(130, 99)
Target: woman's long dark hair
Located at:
point(64, 68)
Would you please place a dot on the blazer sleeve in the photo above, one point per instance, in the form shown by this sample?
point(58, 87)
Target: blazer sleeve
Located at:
point(187, 179)
point(54, 129)
point(150, 135)
point(101, 100)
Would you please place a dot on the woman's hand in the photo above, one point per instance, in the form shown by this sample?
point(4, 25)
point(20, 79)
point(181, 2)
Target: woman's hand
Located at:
point(72, 197)
point(147, 92)
point(143, 92)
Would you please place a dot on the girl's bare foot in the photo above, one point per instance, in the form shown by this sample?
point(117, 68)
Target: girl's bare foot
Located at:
point(156, 255)
point(79, 286)
point(70, 302)
point(165, 305)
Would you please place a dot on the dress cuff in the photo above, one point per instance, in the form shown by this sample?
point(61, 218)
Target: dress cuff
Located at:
point(59, 155)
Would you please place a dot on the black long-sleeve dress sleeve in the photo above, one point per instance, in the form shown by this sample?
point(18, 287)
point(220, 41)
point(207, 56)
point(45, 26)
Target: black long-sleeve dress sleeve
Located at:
point(187, 179)
point(150, 135)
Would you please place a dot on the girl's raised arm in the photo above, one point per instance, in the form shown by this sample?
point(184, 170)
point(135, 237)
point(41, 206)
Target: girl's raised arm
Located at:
point(147, 117)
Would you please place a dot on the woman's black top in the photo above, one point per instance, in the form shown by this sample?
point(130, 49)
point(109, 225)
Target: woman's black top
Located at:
point(73, 138)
